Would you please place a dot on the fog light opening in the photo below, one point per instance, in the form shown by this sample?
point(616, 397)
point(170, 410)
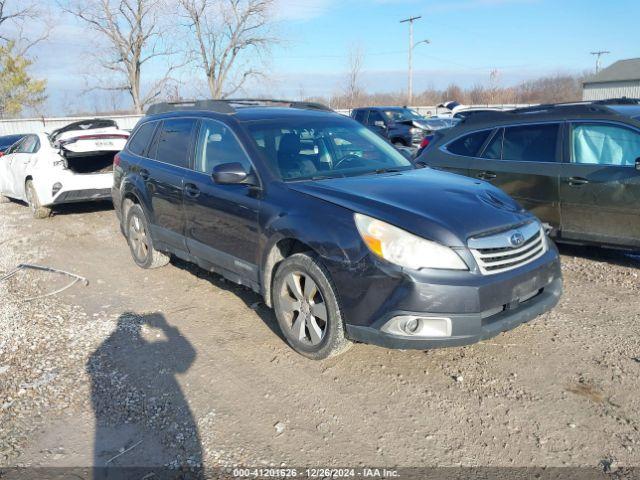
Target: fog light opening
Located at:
point(414, 326)
point(56, 188)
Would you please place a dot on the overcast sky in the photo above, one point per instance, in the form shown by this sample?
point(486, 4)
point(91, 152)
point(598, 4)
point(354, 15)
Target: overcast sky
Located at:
point(520, 38)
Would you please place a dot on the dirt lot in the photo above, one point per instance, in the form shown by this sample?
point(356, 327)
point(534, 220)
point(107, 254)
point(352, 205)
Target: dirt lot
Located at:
point(177, 366)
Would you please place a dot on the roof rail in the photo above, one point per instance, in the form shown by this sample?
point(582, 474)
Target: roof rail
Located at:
point(264, 102)
point(570, 108)
point(618, 101)
point(229, 105)
point(218, 106)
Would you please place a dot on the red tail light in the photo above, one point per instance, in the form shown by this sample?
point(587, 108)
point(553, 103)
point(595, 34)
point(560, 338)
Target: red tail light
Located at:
point(425, 142)
point(116, 160)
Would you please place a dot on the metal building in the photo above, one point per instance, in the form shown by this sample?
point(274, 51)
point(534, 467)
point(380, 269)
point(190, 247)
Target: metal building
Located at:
point(622, 79)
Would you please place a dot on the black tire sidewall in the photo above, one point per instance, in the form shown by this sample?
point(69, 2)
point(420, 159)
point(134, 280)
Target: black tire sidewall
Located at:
point(334, 335)
point(136, 210)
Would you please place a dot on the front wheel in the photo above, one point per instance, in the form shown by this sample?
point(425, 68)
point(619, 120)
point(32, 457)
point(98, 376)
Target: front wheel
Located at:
point(140, 242)
point(307, 309)
point(37, 210)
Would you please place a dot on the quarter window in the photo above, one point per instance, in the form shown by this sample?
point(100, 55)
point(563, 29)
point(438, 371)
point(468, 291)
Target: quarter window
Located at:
point(360, 115)
point(174, 141)
point(141, 138)
point(601, 144)
point(217, 145)
point(469, 145)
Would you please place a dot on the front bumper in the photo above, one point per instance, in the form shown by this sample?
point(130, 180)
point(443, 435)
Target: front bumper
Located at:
point(466, 328)
point(477, 306)
point(86, 195)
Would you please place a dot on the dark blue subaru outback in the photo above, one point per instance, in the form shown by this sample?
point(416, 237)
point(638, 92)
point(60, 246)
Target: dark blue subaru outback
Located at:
point(343, 236)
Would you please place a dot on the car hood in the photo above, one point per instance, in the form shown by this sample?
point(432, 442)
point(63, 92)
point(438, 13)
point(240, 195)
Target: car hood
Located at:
point(439, 206)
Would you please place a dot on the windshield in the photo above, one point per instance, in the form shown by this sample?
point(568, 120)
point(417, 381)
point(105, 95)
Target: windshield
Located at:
point(324, 149)
point(403, 114)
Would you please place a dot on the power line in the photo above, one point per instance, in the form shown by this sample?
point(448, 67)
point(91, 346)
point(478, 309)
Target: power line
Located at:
point(598, 54)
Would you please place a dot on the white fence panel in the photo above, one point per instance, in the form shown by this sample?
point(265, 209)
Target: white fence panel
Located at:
point(127, 122)
point(37, 125)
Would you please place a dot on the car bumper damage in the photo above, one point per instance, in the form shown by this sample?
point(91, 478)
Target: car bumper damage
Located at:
point(423, 313)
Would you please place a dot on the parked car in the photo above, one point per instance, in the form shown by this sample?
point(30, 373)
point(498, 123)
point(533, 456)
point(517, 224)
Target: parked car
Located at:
point(72, 165)
point(342, 235)
point(575, 166)
point(400, 125)
point(7, 140)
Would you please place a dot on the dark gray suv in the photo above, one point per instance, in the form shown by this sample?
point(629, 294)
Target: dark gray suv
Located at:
point(342, 235)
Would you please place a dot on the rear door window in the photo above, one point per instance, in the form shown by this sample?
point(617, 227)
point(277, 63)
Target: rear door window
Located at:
point(604, 144)
point(530, 143)
point(469, 145)
point(173, 144)
point(141, 138)
point(375, 116)
point(360, 116)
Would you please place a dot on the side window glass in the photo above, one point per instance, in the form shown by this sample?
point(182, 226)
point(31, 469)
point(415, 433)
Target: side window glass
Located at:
point(28, 145)
point(217, 145)
point(602, 144)
point(469, 145)
point(375, 116)
point(494, 149)
point(174, 142)
point(15, 148)
point(530, 143)
point(360, 114)
point(141, 138)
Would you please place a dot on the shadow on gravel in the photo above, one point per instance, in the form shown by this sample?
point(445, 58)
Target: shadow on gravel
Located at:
point(248, 296)
point(142, 418)
point(616, 257)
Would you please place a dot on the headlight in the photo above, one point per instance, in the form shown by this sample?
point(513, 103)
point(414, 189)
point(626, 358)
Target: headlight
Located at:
point(405, 249)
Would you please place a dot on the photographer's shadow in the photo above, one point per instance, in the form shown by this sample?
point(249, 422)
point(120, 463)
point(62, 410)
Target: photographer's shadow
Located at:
point(142, 418)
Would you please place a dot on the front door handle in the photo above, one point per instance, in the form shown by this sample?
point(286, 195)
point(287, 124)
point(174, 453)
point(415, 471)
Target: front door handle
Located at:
point(487, 175)
point(191, 190)
point(144, 173)
point(577, 181)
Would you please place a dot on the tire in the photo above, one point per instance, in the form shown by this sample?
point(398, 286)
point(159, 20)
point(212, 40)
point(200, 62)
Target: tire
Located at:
point(37, 210)
point(295, 303)
point(140, 242)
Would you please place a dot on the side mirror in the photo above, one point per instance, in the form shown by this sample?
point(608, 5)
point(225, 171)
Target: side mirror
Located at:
point(638, 164)
point(229, 173)
point(380, 124)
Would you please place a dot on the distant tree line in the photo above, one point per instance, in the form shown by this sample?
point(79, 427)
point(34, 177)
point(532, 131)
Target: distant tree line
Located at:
point(546, 89)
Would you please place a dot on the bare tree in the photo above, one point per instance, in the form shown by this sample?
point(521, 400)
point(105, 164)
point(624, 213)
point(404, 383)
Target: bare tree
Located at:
point(223, 33)
point(17, 17)
point(132, 30)
point(354, 89)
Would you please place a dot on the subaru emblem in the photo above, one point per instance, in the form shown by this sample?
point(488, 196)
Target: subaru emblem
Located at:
point(516, 239)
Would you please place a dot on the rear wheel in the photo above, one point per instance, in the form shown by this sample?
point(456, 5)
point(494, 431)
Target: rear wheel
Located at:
point(306, 306)
point(140, 242)
point(37, 210)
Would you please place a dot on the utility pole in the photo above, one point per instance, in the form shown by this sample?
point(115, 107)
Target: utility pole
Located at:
point(598, 54)
point(410, 20)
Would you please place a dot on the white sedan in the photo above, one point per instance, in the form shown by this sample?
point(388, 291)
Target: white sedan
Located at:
point(44, 175)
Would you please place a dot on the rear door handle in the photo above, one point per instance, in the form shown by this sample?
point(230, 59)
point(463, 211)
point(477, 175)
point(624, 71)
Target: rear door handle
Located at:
point(487, 175)
point(144, 173)
point(191, 190)
point(577, 181)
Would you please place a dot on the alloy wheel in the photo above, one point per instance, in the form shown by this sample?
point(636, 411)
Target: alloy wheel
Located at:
point(304, 308)
point(138, 238)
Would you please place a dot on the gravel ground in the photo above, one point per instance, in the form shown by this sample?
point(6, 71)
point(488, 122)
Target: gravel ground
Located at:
point(176, 366)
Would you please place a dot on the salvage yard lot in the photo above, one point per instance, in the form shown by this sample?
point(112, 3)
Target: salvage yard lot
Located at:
point(178, 366)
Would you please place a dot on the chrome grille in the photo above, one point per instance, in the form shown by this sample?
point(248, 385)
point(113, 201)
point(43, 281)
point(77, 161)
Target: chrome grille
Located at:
point(497, 253)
